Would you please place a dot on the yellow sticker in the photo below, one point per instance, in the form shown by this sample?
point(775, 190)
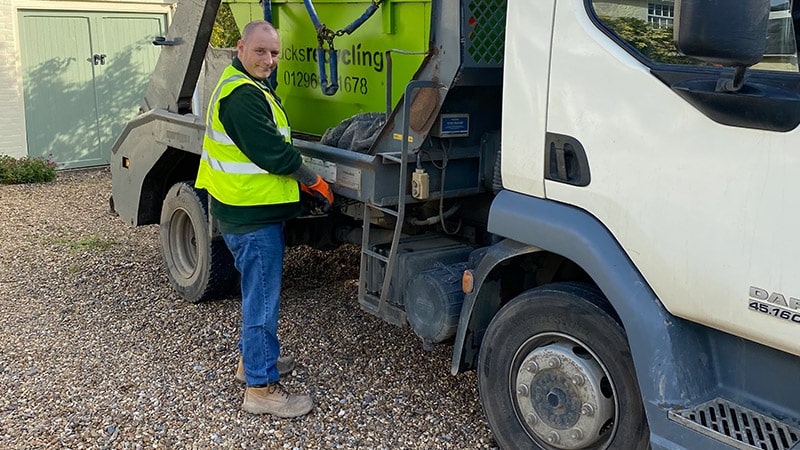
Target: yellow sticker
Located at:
point(399, 137)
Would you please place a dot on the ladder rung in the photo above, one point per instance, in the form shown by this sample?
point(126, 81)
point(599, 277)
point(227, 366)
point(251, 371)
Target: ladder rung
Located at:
point(375, 255)
point(393, 157)
point(391, 212)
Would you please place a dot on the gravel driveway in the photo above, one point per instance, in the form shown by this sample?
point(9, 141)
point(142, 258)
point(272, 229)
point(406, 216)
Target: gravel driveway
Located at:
point(98, 352)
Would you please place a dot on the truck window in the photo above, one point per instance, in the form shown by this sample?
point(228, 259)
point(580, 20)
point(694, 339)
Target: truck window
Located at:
point(646, 27)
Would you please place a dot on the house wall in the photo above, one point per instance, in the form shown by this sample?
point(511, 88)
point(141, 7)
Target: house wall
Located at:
point(12, 108)
point(12, 127)
point(621, 8)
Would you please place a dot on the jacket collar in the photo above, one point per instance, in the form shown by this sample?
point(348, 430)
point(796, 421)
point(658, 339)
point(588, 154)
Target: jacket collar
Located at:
point(240, 67)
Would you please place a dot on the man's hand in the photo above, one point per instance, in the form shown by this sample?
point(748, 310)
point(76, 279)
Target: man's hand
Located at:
point(321, 192)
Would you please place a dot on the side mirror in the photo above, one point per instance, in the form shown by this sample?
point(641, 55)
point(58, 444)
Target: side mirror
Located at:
point(729, 33)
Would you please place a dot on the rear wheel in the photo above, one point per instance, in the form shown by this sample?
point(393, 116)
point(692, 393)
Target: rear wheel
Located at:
point(555, 372)
point(198, 267)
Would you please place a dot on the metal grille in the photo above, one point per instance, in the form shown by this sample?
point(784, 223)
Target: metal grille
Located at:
point(738, 426)
point(485, 31)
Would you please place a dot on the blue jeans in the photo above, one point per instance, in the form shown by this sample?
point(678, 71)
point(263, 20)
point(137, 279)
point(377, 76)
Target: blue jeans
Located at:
point(259, 258)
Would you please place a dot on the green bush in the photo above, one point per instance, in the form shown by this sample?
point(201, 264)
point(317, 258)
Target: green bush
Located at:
point(26, 170)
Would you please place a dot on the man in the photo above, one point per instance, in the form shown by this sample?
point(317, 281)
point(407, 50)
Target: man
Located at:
point(251, 171)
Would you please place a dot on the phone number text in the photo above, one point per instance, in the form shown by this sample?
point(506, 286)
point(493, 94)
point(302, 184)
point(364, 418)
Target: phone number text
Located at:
point(356, 85)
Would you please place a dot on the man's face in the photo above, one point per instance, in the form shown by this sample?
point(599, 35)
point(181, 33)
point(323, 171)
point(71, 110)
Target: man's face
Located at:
point(259, 54)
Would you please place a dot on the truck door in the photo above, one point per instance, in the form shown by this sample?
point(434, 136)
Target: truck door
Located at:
point(701, 198)
point(529, 27)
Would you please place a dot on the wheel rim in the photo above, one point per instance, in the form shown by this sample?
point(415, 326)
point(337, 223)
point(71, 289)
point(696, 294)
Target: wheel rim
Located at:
point(183, 244)
point(562, 393)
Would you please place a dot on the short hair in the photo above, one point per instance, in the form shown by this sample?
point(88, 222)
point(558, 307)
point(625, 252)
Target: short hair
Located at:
point(257, 25)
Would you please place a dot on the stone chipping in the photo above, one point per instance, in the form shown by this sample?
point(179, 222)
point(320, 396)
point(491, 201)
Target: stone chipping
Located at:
point(97, 351)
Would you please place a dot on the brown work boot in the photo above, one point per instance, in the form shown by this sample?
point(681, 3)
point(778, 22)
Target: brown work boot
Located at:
point(284, 364)
point(273, 399)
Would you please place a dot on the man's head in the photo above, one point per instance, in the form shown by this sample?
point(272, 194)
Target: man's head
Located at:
point(259, 49)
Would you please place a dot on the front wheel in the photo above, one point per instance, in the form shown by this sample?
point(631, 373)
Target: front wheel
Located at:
point(555, 372)
point(198, 267)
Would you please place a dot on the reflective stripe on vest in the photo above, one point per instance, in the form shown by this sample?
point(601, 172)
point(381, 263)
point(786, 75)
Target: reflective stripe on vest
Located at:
point(243, 168)
point(226, 172)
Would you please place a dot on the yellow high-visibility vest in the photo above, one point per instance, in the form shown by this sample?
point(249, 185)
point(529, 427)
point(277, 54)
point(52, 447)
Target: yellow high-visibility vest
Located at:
point(225, 172)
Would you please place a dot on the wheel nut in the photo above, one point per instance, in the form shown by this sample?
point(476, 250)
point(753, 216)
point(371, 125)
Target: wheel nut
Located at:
point(578, 380)
point(532, 366)
point(587, 410)
point(576, 434)
point(554, 363)
point(531, 419)
point(553, 438)
point(522, 389)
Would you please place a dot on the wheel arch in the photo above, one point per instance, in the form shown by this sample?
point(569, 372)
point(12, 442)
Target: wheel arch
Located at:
point(506, 270)
point(139, 196)
point(154, 151)
point(174, 166)
point(664, 348)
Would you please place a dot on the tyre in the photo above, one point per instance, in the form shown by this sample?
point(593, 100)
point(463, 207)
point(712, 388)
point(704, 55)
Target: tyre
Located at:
point(199, 268)
point(555, 372)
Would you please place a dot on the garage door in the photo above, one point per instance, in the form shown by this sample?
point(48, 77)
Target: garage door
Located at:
point(84, 76)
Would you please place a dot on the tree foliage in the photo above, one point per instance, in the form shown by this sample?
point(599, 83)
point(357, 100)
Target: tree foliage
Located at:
point(225, 33)
point(653, 42)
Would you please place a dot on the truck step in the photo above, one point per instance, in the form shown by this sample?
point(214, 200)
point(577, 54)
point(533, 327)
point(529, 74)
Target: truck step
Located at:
point(387, 211)
point(738, 426)
point(390, 313)
point(392, 157)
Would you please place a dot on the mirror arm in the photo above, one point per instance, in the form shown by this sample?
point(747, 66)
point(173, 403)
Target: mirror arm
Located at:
point(732, 85)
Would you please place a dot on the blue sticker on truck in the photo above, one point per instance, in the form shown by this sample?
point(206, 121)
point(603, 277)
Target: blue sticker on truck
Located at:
point(455, 124)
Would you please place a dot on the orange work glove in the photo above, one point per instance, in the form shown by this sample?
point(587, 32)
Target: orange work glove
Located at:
point(321, 191)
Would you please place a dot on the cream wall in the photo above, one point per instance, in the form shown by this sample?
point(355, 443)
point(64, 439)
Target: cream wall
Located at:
point(12, 108)
point(12, 125)
point(622, 8)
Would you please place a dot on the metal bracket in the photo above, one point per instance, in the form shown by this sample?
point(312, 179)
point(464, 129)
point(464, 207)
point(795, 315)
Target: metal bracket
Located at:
point(161, 40)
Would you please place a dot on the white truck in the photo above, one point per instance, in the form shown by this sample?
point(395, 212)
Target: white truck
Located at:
point(605, 229)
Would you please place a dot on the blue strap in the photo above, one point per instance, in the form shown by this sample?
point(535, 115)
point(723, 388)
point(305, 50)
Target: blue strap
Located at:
point(358, 22)
point(313, 14)
point(268, 10)
point(328, 89)
point(267, 7)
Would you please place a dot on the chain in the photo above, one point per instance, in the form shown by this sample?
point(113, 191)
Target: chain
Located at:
point(326, 35)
